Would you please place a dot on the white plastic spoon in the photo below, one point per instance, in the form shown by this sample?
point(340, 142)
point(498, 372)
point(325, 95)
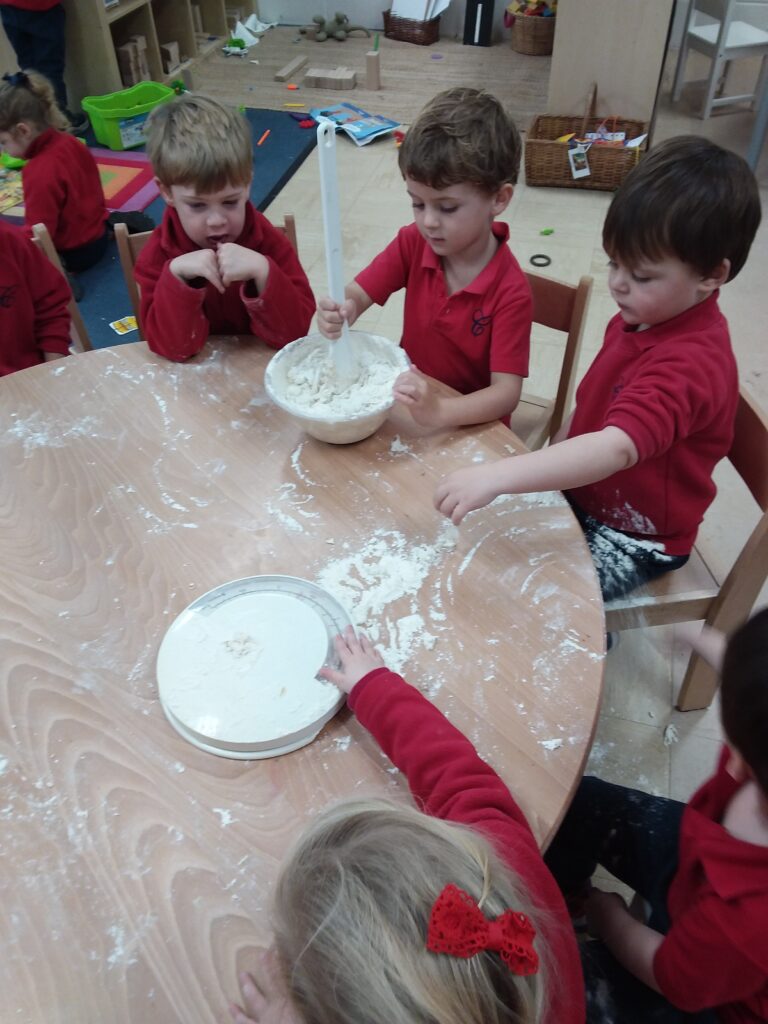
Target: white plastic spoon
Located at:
point(343, 356)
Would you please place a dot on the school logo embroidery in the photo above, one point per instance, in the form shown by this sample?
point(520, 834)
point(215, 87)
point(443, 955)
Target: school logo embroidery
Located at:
point(7, 295)
point(480, 322)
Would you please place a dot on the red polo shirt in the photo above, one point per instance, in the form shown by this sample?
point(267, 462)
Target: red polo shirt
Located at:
point(715, 953)
point(463, 338)
point(673, 388)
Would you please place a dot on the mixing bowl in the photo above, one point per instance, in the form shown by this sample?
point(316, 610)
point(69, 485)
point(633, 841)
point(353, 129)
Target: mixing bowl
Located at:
point(302, 380)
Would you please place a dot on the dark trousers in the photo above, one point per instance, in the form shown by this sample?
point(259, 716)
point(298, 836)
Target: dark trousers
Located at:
point(37, 38)
point(84, 256)
point(622, 562)
point(635, 836)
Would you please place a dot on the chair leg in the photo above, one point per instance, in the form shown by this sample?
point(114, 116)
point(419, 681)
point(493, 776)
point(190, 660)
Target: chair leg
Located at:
point(699, 685)
point(714, 78)
point(682, 57)
point(762, 84)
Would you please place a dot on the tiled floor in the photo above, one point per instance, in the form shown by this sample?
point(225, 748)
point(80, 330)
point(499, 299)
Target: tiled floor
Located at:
point(634, 744)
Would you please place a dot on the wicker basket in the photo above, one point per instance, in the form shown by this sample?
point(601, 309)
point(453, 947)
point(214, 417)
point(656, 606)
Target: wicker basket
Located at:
point(424, 33)
point(546, 161)
point(535, 35)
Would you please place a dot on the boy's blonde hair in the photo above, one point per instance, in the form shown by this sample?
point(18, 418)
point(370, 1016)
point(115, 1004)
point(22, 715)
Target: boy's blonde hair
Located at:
point(462, 136)
point(28, 97)
point(351, 914)
point(197, 142)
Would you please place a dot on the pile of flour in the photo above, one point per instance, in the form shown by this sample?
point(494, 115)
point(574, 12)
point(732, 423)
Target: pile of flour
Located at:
point(313, 387)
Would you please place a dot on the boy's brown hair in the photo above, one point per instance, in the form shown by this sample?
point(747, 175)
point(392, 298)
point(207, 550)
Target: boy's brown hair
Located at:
point(197, 142)
point(688, 198)
point(462, 136)
point(744, 695)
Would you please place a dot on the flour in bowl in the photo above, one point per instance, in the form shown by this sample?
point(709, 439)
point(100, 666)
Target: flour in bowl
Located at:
point(311, 383)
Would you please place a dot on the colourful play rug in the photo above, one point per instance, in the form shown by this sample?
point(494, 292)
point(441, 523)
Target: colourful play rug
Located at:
point(126, 178)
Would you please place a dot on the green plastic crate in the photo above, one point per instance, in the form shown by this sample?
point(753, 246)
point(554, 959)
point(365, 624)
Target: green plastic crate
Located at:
point(118, 118)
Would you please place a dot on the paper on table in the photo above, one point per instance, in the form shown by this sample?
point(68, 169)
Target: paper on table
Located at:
point(437, 7)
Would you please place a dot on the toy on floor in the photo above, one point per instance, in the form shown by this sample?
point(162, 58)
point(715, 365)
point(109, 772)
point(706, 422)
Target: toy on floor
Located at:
point(235, 48)
point(337, 27)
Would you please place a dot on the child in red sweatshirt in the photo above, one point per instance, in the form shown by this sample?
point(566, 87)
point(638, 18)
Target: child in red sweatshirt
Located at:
point(34, 322)
point(215, 265)
point(62, 186)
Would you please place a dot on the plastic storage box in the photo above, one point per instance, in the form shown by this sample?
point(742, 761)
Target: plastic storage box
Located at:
point(118, 118)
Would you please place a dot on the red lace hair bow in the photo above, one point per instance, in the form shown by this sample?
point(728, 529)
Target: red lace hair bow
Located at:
point(458, 927)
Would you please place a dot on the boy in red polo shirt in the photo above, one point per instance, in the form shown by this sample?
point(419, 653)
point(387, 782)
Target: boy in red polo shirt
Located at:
point(655, 411)
point(702, 868)
point(468, 306)
point(215, 265)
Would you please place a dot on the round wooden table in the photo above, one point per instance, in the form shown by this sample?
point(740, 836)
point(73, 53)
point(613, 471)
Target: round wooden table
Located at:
point(137, 870)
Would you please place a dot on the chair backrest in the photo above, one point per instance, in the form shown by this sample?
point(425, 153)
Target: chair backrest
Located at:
point(128, 249)
point(749, 451)
point(562, 307)
point(81, 342)
point(129, 246)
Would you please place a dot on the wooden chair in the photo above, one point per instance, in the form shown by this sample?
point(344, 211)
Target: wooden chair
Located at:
point(722, 39)
point(81, 342)
point(693, 592)
point(561, 307)
point(129, 246)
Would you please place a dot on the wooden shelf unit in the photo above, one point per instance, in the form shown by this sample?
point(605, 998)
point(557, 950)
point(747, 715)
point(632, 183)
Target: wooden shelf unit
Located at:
point(94, 31)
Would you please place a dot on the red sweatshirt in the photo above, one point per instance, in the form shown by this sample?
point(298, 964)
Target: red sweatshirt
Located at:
point(30, 5)
point(448, 780)
point(62, 189)
point(716, 950)
point(176, 317)
point(33, 304)
point(673, 388)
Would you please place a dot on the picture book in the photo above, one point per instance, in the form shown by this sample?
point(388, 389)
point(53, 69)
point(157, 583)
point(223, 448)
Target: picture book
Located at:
point(359, 125)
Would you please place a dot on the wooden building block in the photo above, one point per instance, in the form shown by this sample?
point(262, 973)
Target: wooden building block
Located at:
point(233, 15)
point(373, 69)
point(330, 78)
point(140, 42)
point(169, 54)
point(128, 63)
point(286, 74)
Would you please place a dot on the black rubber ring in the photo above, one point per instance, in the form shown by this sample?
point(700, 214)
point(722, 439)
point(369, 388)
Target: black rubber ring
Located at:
point(540, 260)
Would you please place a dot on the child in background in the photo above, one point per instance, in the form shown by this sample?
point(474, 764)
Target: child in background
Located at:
point(386, 914)
point(702, 867)
point(62, 186)
point(215, 265)
point(468, 306)
point(655, 411)
point(34, 321)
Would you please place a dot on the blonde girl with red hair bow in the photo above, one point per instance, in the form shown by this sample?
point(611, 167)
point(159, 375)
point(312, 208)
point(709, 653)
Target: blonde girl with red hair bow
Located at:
point(385, 914)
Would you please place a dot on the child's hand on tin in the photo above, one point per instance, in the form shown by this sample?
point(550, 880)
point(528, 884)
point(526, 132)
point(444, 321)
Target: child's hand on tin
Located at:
point(466, 490)
point(237, 263)
point(414, 390)
point(358, 657)
point(330, 316)
point(265, 1000)
point(192, 266)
